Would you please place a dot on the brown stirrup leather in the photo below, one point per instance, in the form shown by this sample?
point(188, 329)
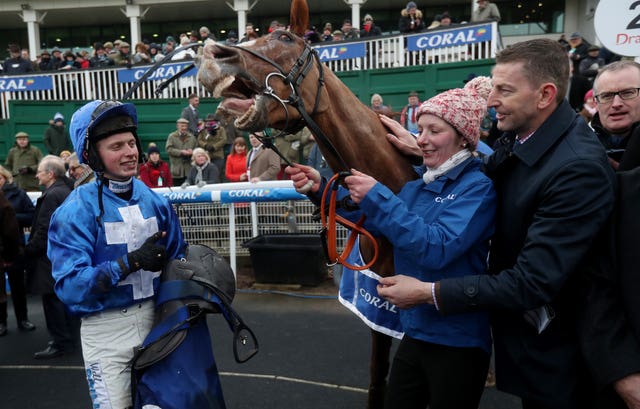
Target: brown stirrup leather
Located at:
point(330, 226)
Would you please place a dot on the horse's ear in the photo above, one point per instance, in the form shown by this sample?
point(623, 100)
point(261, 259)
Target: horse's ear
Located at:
point(299, 19)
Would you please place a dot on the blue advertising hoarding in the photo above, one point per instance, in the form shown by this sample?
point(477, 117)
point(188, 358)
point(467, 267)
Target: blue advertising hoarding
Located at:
point(449, 38)
point(26, 83)
point(341, 51)
point(163, 73)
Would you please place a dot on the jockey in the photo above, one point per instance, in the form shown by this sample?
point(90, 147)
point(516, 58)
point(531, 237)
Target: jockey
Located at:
point(108, 244)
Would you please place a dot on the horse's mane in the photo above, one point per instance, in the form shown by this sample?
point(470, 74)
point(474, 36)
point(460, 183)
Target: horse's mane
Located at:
point(299, 17)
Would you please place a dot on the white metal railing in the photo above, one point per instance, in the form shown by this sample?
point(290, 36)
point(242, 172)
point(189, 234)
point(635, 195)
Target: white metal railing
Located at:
point(208, 219)
point(381, 53)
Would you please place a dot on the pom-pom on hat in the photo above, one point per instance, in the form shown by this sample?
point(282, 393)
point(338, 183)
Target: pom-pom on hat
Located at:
point(153, 149)
point(462, 108)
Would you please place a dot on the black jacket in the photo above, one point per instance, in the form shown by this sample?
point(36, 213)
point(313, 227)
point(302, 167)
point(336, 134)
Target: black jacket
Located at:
point(555, 193)
point(22, 205)
point(42, 281)
point(610, 320)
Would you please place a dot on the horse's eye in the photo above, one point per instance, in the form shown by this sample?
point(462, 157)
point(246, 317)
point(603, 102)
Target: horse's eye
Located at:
point(285, 37)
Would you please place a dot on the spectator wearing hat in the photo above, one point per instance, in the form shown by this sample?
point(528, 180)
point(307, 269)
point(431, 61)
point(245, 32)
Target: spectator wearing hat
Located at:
point(15, 64)
point(337, 35)
point(326, 32)
point(589, 108)
point(409, 114)
point(109, 49)
point(100, 58)
point(43, 61)
point(56, 59)
point(411, 19)
point(578, 51)
point(169, 45)
point(155, 52)
point(180, 145)
point(439, 225)
point(369, 29)
point(486, 11)
point(123, 57)
point(56, 136)
point(350, 33)
point(69, 62)
point(206, 34)
point(155, 172)
point(232, 38)
point(213, 138)
point(445, 19)
point(590, 64)
point(22, 161)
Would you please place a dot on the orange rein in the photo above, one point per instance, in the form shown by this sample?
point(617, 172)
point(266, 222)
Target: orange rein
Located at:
point(330, 222)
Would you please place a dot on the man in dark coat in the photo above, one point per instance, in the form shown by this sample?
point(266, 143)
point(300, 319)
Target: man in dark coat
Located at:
point(190, 113)
point(610, 322)
point(62, 327)
point(9, 247)
point(15, 64)
point(56, 137)
point(555, 192)
point(24, 210)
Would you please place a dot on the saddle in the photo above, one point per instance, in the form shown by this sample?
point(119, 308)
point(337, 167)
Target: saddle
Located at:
point(175, 366)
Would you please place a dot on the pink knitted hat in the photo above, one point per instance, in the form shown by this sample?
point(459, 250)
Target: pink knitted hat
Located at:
point(462, 108)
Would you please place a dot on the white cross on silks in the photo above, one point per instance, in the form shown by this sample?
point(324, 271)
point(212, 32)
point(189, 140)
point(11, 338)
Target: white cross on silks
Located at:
point(133, 231)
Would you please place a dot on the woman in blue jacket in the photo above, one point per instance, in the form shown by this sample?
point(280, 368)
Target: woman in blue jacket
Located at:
point(440, 227)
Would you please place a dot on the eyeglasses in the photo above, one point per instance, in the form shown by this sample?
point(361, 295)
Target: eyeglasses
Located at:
point(625, 94)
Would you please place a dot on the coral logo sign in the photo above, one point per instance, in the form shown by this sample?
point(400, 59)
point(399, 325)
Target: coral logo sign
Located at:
point(163, 73)
point(617, 24)
point(449, 38)
point(35, 83)
point(341, 52)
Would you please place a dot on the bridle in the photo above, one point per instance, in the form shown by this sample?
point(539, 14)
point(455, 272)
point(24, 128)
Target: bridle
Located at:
point(293, 79)
point(329, 218)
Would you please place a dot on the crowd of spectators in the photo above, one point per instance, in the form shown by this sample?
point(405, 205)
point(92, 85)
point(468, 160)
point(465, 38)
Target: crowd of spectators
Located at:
point(118, 53)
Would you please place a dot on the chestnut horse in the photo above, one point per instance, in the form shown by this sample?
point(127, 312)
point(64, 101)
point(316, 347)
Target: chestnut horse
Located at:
point(278, 81)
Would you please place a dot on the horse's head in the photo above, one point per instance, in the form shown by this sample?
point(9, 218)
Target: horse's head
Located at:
point(259, 79)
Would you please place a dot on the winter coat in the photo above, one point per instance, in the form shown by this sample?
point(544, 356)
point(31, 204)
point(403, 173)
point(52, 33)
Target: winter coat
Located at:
point(179, 164)
point(41, 281)
point(22, 205)
point(555, 193)
point(26, 159)
point(56, 140)
point(150, 172)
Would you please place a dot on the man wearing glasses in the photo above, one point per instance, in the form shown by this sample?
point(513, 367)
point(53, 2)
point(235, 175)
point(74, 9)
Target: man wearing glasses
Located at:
point(610, 322)
point(616, 90)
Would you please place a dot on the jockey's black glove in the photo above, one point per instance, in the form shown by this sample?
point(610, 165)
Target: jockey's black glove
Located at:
point(150, 256)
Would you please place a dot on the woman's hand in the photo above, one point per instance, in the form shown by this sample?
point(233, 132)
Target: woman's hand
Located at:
point(304, 178)
point(399, 137)
point(359, 185)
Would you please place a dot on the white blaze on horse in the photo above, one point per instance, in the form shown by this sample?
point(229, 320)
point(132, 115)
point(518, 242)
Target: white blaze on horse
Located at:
point(278, 81)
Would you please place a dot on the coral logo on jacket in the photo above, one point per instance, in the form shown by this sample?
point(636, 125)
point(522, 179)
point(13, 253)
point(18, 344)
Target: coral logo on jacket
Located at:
point(440, 199)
